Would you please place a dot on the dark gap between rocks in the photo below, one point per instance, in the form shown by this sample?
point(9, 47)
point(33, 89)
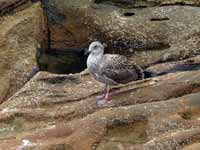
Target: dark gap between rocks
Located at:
point(97, 1)
point(177, 4)
point(128, 14)
point(35, 1)
point(8, 7)
point(124, 2)
point(61, 61)
point(140, 6)
point(159, 19)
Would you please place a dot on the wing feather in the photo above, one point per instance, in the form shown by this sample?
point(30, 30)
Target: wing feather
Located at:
point(118, 69)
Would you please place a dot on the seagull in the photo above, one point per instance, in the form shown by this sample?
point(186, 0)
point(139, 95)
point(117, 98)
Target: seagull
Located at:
point(110, 69)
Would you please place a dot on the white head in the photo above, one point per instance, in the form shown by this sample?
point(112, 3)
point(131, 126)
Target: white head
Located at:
point(96, 48)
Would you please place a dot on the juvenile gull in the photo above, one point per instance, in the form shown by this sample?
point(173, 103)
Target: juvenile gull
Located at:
point(110, 69)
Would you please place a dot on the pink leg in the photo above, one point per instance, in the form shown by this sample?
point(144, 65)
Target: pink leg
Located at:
point(108, 95)
point(106, 99)
point(102, 96)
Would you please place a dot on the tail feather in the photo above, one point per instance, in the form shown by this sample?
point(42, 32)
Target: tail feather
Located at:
point(140, 72)
point(149, 74)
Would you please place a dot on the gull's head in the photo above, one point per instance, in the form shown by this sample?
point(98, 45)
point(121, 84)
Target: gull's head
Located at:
point(96, 48)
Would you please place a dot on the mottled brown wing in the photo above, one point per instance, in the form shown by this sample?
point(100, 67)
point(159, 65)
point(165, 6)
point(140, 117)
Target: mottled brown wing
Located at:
point(118, 69)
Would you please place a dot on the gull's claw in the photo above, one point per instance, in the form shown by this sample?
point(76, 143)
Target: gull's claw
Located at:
point(100, 97)
point(104, 103)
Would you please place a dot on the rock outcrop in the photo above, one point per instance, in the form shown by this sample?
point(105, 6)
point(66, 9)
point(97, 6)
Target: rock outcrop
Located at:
point(7, 6)
point(148, 34)
point(59, 112)
point(20, 34)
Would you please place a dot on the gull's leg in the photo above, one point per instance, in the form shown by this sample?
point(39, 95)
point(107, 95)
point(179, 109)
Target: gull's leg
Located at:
point(106, 99)
point(108, 95)
point(101, 101)
point(100, 97)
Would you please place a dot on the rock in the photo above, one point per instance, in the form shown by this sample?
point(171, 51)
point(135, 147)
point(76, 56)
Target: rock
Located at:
point(148, 3)
point(154, 34)
point(8, 6)
point(20, 33)
point(52, 111)
point(193, 147)
point(148, 35)
point(175, 66)
point(66, 23)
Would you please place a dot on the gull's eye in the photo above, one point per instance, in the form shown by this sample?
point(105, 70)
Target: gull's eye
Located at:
point(95, 47)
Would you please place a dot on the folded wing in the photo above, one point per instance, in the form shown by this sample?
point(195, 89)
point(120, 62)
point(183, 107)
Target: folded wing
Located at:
point(118, 69)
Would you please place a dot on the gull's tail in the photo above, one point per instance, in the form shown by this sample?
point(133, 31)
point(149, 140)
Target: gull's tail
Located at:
point(140, 72)
point(149, 74)
point(143, 74)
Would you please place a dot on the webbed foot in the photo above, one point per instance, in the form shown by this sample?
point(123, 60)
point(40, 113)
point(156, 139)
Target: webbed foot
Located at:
point(103, 102)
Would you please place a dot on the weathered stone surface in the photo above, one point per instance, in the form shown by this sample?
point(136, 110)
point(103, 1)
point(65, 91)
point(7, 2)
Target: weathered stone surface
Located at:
point(67, 23)
point(175, 66)
point(7, 6)
point(20, 34)
point(195, 146)
point(148, 35)
point(59, 112)
point(148, 3)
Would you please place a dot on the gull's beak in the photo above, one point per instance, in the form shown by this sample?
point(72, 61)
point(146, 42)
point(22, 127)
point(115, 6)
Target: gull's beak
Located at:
point(105, 45)
point(86, 52)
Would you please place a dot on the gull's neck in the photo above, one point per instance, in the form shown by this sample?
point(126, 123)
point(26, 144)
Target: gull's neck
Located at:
point(94, 59)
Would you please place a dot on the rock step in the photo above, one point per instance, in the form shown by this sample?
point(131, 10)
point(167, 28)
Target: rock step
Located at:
point(7, 6)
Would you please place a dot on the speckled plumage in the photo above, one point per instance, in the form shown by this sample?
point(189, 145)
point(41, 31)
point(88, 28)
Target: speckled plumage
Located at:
point(111, 69)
